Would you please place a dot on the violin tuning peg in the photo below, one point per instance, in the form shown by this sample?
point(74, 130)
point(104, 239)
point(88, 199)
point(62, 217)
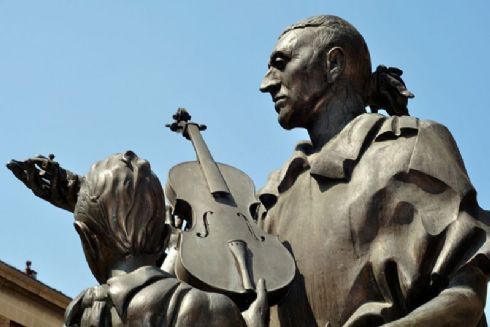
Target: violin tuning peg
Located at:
point(182, 115)
point(174, 127)
point(51, 156)
point(202, 127)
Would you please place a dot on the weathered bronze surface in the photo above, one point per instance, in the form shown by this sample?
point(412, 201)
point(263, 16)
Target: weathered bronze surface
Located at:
point(48, 180)
point(223, 249)
point(377, 211)
point(120, 217)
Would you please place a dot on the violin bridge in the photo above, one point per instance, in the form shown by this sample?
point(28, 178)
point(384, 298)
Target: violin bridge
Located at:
point(240, 252)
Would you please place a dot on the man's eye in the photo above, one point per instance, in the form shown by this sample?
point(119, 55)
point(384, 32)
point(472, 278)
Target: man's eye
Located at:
point(279, 62)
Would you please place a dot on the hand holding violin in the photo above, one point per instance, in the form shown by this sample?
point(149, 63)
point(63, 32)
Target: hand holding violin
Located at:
point(257, 315)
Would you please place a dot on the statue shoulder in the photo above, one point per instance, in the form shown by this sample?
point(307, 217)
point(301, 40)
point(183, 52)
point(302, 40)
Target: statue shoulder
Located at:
point(74, 311)
point(408, 152)
point(214, 309)
point(436, 154)
point(427, 148)
point(434, 151)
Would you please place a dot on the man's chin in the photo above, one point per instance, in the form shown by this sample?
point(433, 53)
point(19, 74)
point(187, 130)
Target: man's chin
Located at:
point(285, 122)
point(287, 119)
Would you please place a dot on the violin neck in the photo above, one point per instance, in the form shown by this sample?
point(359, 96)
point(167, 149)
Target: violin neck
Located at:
point(214, 178)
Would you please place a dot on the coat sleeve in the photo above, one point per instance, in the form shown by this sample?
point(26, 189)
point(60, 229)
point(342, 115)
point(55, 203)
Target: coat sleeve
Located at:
point(430, 256)
point(457, 283)
point(437, 168)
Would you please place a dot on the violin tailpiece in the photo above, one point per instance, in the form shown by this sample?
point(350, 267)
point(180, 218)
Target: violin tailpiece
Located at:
point(240, 252)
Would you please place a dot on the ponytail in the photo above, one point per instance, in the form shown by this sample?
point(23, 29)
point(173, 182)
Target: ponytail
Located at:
point(388, 91)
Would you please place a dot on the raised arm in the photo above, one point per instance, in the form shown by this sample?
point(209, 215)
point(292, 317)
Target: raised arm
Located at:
point(48, 180)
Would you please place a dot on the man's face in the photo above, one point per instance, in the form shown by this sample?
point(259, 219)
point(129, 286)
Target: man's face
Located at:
point(296, 78)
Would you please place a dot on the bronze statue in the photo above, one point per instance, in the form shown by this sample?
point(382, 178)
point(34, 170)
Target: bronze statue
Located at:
point(378, 211)
point(119, 215)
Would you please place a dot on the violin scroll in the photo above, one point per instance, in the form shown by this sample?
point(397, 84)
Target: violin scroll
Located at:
point(181, 121)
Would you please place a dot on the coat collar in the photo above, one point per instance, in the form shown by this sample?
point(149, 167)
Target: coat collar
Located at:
point(338, 158)
point(89, 308)
point(122, 288)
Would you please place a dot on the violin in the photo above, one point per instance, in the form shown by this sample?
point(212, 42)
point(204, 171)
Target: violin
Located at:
point(223, 250)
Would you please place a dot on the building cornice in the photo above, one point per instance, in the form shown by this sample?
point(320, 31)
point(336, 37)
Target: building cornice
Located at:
point(14, 278)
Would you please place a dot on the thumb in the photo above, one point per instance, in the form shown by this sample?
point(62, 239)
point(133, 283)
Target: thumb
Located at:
point(261, 291)
point(262, 303)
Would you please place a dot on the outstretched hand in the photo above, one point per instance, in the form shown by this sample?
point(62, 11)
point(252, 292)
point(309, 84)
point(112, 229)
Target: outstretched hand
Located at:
point(257, 315)
point(47, 180)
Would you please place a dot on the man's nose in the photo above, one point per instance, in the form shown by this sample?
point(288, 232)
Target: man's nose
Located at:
point(270, 83)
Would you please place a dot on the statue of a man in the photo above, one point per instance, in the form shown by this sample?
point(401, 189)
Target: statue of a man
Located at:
point(378, 211)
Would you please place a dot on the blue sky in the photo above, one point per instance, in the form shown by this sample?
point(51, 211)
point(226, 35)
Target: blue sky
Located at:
point(84, 79)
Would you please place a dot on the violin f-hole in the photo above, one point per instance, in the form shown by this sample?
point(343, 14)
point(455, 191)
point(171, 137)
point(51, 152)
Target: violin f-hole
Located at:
point(250, 229)
point(205, 232)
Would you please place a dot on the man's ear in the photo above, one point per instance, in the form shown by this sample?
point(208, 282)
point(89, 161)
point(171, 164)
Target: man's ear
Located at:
point(335, 63)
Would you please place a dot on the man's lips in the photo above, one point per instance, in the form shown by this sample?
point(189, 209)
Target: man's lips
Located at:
point(279, 102)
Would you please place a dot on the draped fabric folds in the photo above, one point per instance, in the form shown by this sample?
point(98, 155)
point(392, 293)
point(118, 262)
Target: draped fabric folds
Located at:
point(380, 220)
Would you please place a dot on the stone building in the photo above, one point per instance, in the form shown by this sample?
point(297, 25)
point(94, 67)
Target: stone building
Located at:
point(25, 301)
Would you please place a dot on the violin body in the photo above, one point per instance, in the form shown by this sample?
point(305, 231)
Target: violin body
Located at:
point(224, 250)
